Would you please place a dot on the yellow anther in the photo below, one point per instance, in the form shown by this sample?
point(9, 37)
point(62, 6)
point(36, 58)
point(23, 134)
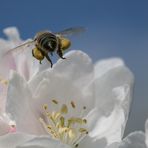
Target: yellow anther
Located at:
point(72, 121)
point(69, 130)
point(63, 130)
point(78, 120)
point(49, 127)
point(62, 121)
point(64, 109)
point(72, 134)
point(55, 101)
point(83, 130)
point(73, 104)
point(4, 81)
point(45, 106)
point(84, 107)
point(53, 115)
point(56, 115)
point(84, 121)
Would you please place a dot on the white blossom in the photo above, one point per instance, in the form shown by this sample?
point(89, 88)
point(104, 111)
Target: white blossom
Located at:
point(74, 104)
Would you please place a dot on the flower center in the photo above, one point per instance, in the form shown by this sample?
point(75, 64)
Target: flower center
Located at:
point(68, 129)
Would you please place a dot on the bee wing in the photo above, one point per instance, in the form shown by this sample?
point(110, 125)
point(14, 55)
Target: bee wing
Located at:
point(20, 48)
point(71, 31)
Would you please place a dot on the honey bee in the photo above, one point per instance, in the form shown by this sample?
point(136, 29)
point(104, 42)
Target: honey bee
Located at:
point(46, 43)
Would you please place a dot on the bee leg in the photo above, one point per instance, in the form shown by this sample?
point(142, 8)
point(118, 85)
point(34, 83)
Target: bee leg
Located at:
point(32, 53)
point(40, 62)
point(51, 53)
point(48, 58)
point(59, 52)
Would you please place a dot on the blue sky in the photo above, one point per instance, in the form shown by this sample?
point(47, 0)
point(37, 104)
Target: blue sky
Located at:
point(114, 28)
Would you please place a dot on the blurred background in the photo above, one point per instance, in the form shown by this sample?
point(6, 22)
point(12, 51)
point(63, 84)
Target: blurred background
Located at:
point(115, 28)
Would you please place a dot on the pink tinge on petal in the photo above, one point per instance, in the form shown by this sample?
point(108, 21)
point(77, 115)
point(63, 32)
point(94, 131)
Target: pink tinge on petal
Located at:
point(12, 129)
point(9, 61)
point(23, 67)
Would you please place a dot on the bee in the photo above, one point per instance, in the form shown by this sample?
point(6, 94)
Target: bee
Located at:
point(46, 43)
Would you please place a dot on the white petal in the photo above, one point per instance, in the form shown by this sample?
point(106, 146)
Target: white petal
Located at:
point(134, 140)
point(113, 92)
point(7, 62)
point(3, 93)
point(13, 139)
point(4, 127)
point(12, 33)
point(108, 127)
point(43, 142)
point(114, 145)
point(105, 65)
point(20, 107)
point(61, 89)
point(67, 80)
point(89, 142)
point(146, 132)
point(26, 65)
point(77, 66)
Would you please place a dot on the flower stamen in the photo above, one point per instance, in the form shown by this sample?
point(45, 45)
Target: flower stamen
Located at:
point(73, 104)
point(69, 130)
point(55, 101)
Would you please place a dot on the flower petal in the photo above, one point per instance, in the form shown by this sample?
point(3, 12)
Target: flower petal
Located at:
point(19, 106)
point(12, 33)
point(13, 139)
point(105, 65)
point(27, 66)
point(4, 127)
point(43, 142)
point(63, 90)
point(113, 92)
point(77, 66)
point(146, 132)
point(89, 142)
point(104, 124)
point(67, 80)
point(134, 140)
